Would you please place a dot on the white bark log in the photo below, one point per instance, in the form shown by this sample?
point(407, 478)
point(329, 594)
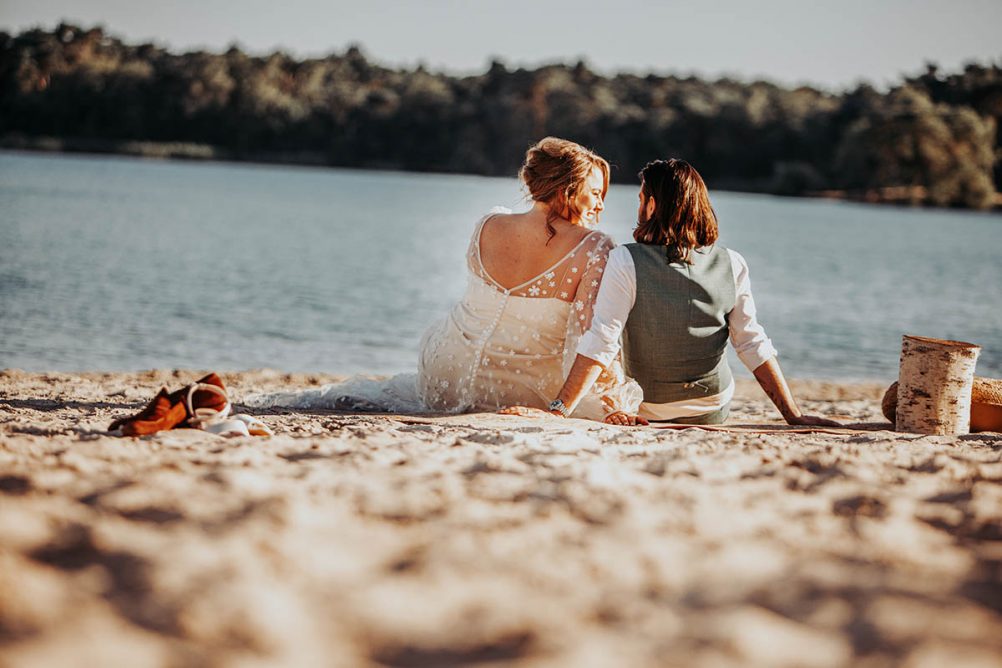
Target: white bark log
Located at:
point(934, 385)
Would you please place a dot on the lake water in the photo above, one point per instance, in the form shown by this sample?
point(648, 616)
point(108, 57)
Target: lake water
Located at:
point(118, 264)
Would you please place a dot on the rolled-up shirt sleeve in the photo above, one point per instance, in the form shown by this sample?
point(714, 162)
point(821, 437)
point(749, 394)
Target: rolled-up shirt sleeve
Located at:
point(747, 336)
point(613, 304)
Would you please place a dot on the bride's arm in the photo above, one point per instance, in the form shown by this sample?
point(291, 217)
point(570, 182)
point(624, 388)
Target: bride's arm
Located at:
point(583, 374)
point(596, 385)
point(582, 377)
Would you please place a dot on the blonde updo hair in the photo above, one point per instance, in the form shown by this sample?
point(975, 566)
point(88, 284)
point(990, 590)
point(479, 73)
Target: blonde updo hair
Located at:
point(554, 173)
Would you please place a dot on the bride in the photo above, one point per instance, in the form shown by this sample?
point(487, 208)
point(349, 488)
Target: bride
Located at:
point(511, 339)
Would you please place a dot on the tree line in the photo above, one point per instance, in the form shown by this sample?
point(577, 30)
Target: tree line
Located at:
point(930, 139)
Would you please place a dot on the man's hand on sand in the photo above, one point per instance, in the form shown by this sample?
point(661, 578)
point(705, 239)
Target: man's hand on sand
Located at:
point(812, 421)
point(624, 419)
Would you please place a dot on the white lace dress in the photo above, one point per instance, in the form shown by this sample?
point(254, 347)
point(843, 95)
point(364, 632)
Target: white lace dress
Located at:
point(497, 347)
point(502, 347)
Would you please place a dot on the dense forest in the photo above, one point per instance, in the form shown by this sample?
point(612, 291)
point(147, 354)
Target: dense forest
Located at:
point(932, 139)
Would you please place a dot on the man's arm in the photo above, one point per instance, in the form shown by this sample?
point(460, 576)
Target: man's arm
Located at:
point(770, 377)
point(756, 350)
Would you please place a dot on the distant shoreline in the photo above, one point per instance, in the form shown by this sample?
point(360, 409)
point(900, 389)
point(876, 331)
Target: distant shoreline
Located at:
point(911, 196)
point(156, 150)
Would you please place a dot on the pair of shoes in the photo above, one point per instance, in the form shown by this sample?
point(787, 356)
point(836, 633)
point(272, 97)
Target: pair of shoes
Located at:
point(170, 410)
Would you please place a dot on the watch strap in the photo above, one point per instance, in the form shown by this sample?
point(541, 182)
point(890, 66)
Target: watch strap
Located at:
point(560, 407)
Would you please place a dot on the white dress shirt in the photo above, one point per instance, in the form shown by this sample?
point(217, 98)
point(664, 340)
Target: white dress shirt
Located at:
point(616, 296)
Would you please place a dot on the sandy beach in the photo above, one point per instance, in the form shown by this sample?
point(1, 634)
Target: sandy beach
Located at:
point(487, 540)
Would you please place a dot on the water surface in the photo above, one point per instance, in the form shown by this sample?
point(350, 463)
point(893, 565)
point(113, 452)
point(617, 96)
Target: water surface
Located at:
point(120, 263)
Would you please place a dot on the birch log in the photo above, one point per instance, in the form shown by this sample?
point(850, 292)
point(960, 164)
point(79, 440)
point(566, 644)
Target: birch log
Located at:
point(934, 385)
point(986, 404)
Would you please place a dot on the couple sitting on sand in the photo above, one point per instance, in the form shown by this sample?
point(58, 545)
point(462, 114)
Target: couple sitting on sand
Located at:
point(548, 300)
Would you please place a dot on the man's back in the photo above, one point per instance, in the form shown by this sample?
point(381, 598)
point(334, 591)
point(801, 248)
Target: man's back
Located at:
point(676, 334)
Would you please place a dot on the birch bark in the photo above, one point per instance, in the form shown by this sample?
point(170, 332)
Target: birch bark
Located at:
point(934, 385)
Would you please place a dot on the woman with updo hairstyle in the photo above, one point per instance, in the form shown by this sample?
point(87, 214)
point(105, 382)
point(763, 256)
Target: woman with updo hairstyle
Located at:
point(533, 278)
point(555, 172)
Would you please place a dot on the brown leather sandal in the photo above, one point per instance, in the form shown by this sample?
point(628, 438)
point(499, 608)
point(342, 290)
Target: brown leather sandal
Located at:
point(161, 413)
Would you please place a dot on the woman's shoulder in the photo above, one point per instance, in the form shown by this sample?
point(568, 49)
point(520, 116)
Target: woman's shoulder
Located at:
point(599, 239)
point(595, 248)
point(601, 236)
point(496, 213)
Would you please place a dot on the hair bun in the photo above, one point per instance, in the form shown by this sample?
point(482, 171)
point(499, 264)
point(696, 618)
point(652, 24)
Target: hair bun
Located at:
point(554, 171)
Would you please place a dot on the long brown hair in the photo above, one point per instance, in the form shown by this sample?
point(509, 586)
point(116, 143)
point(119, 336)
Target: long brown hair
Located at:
point(555, 171)
point(683, 218)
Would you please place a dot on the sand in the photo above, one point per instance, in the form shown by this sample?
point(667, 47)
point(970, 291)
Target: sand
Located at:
point(486, 540)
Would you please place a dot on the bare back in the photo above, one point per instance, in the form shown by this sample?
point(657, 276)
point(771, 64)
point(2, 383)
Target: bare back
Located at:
point(514, 248)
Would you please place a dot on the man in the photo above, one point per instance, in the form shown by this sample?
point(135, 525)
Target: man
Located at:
point(675, 298)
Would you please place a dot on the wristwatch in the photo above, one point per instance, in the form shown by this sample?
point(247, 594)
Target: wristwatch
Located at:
point(558, 405)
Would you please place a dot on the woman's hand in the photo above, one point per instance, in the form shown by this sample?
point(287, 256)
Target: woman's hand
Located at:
point(625, 419)
point(526, 411)
point(812, 421)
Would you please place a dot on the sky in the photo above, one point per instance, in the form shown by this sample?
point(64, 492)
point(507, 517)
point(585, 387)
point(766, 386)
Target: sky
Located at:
point(833, 45)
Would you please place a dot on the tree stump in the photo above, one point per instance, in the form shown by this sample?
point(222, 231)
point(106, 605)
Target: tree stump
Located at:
point(934, 385)
point(986, 404)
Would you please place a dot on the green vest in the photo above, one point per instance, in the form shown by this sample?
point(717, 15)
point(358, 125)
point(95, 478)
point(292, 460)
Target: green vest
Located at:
point(675, 338)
